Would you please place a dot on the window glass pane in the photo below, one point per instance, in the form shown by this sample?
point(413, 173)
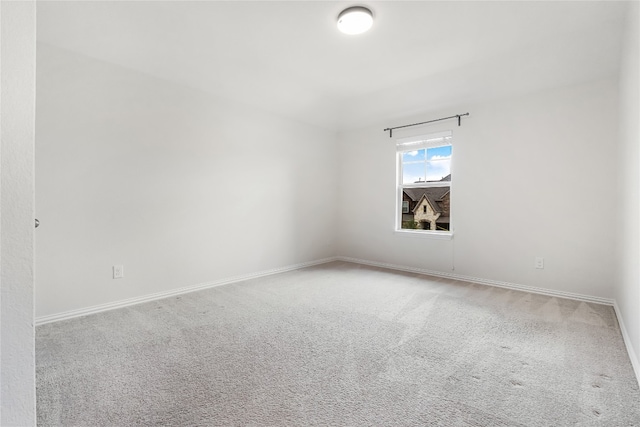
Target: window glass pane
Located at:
point(439, 153)
point(413, 172)
point(439, 163)
point(439, 170)
point(413, 156)
point(429, 208)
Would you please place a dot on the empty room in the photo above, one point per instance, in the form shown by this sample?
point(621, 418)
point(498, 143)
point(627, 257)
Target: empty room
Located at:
point(293, 213)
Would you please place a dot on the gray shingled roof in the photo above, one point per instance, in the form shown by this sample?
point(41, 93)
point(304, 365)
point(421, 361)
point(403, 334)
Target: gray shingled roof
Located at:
point(433, 195)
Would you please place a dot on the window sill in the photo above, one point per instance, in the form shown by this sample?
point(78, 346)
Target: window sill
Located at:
point(435, 235)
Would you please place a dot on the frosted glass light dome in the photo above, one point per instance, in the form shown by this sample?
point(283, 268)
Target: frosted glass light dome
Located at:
point(355, 20)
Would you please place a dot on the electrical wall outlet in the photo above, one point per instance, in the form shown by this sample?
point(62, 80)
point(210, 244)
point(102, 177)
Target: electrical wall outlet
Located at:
point(118, 271)
point(539, 262)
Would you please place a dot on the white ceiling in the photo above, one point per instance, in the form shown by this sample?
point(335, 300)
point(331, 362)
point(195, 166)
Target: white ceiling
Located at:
point(288, 57)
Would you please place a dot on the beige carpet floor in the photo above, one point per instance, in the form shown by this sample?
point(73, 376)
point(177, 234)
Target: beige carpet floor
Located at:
point(340, 345)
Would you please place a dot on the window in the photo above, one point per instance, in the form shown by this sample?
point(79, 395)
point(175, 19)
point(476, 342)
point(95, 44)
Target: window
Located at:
point(424, 182)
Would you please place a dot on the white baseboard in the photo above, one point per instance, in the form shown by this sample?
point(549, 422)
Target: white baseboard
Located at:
point(507, 285)
point(160, 295)
point(627, 341)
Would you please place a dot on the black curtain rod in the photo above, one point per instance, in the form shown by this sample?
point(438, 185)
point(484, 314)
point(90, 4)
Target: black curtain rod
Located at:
point(423, 123)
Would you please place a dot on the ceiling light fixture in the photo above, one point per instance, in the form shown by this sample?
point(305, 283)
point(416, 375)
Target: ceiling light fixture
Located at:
point(355, 20)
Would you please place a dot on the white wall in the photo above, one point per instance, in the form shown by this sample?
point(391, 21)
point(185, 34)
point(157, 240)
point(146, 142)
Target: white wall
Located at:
point(17, 359)
point(628, 292)
point(532, 176)
point(179, 187)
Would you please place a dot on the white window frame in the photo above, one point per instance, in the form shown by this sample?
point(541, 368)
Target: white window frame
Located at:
point(417, 142)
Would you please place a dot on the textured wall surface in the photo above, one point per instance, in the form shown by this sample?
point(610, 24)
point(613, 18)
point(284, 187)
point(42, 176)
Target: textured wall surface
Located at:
point(628, 291)
point(17, 360)
point(180, 187)
point(526, 173)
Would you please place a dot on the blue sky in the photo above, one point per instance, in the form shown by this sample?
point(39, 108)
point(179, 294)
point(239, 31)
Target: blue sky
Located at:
point(428, 164)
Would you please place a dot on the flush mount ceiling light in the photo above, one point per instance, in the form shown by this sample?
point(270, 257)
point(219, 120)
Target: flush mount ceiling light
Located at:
point(355, 20)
